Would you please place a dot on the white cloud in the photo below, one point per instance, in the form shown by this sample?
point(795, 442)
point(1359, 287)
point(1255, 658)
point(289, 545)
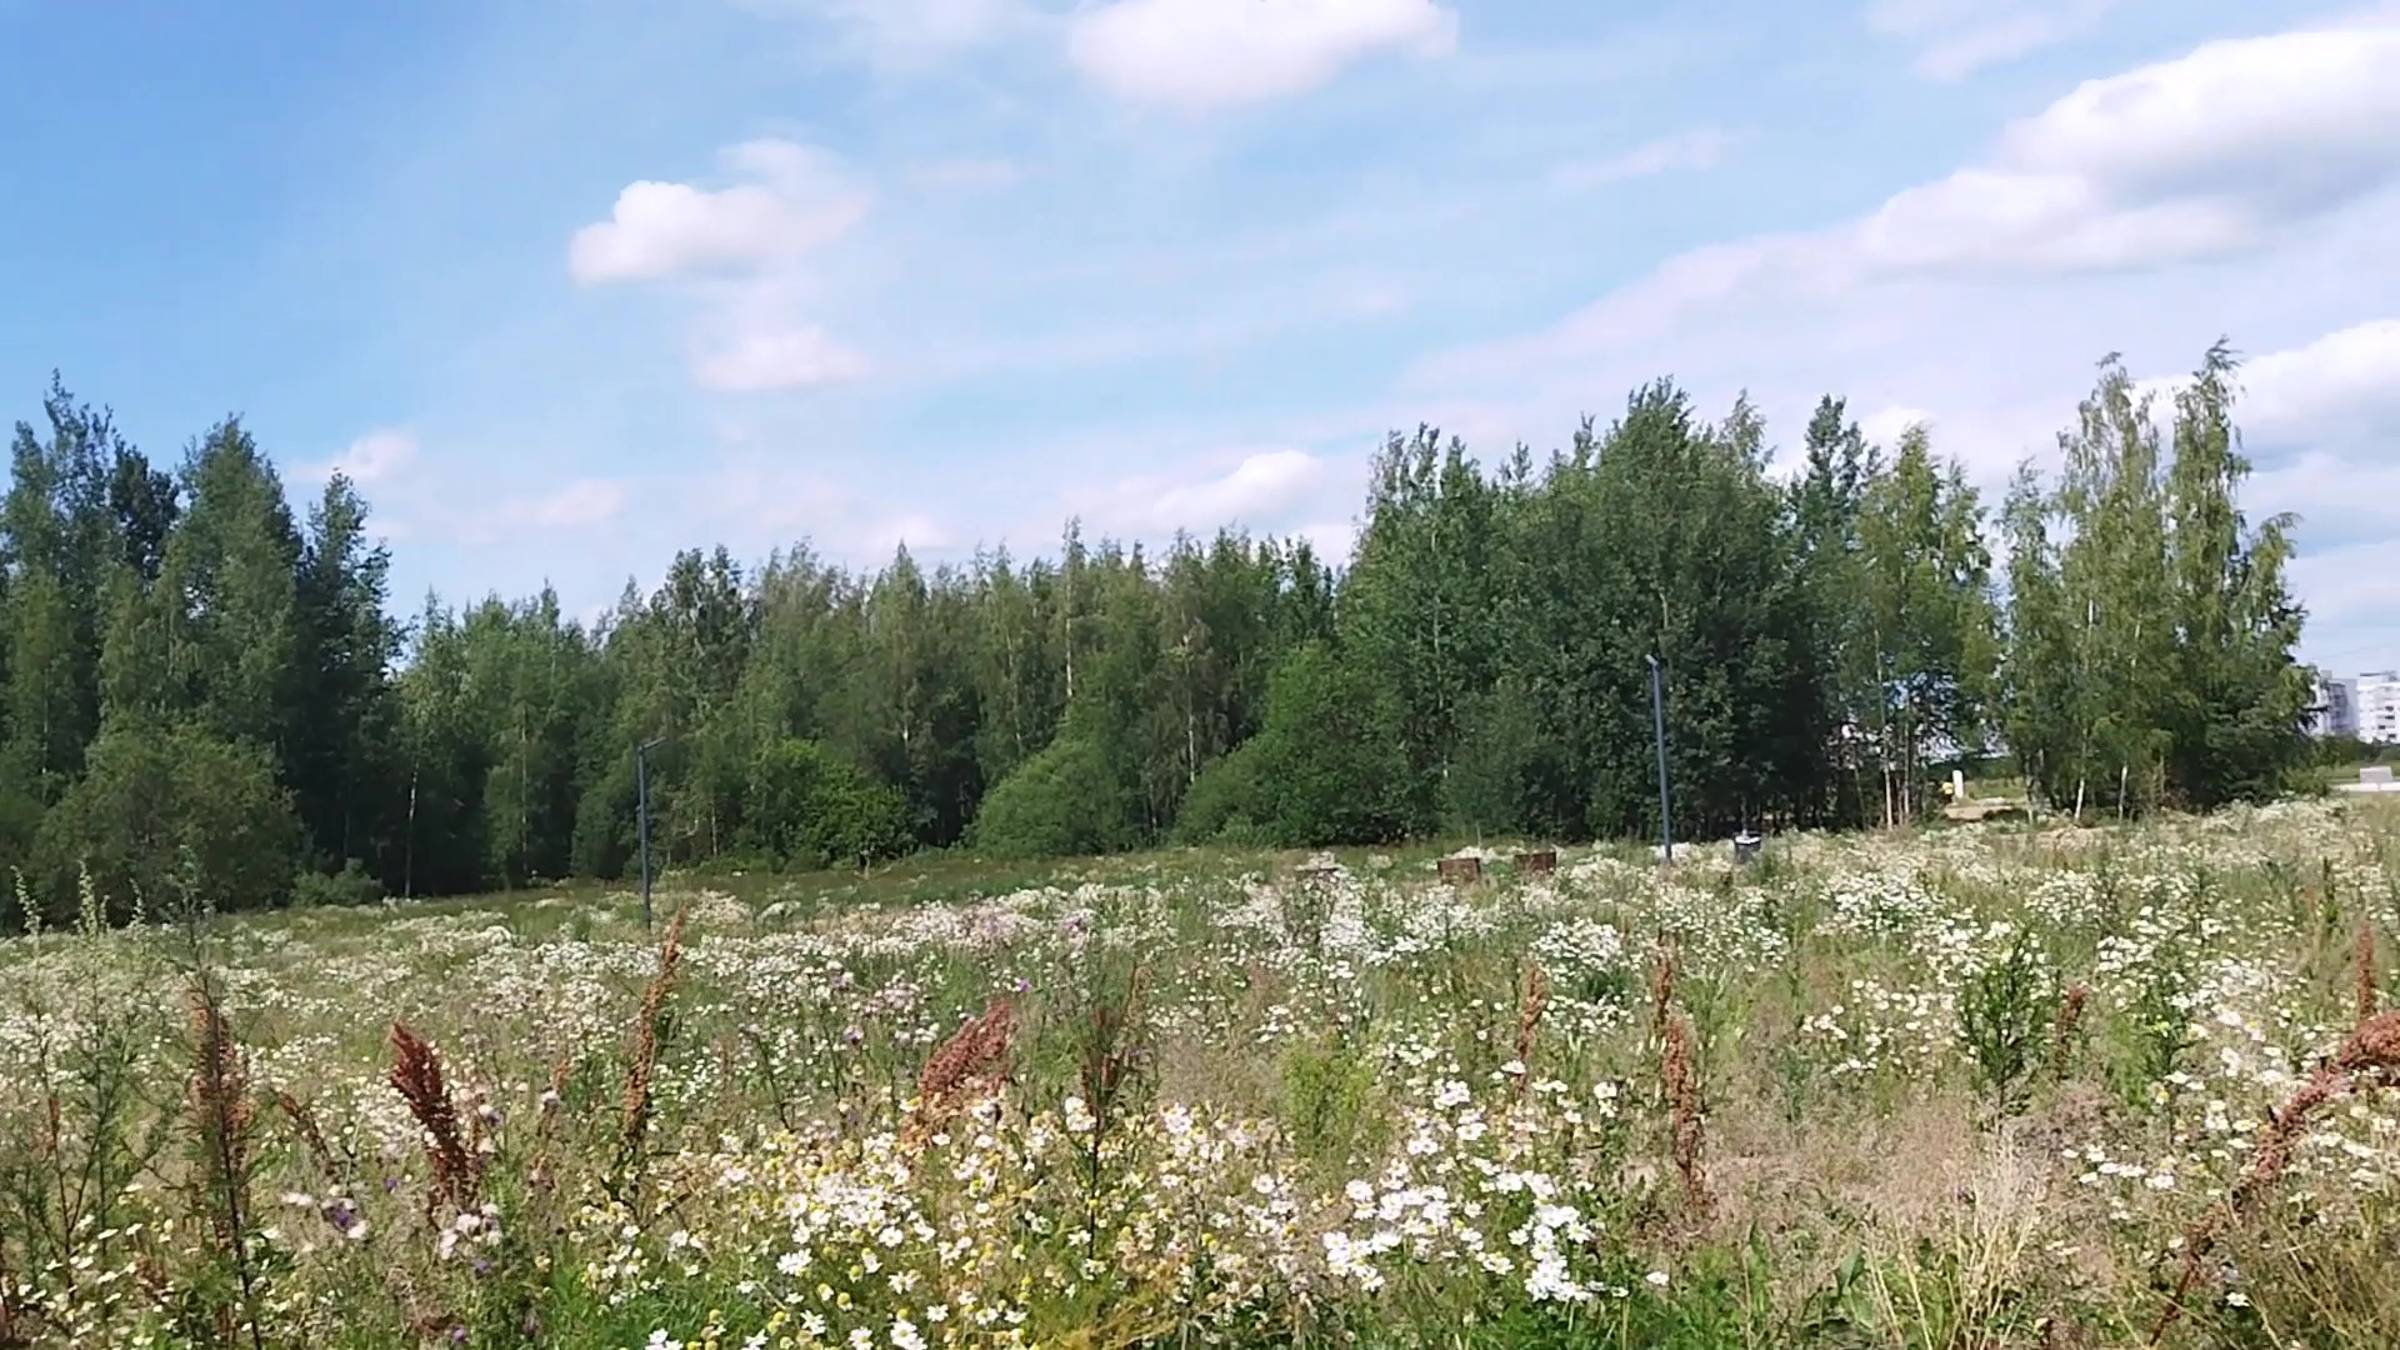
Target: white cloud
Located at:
point(1331, 539)
point(2344, 386)
point(967, 174)
point(794, 198)
point(1699, 148)
point(1887, 424)
point(1262, 484)
point(757, 503)
point(1263, 489)
point(2322, 423)
point(1198, 54)
point(758, 238)
point(373, 458)
point(584, 502)
point(777, 358)
point(2353, 598)
point(910, 34)
point(2210, 154)
point(2249, 188)
point(2187, 158)
point(1955, 38)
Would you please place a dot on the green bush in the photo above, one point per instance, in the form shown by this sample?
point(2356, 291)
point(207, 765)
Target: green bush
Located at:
point(1062, 801)
point(1332, 757)
point(1510, 773)
point(807, 806)
point(1329, 1091)
point(350, 886)
point(2003, 1013)
point(1228, 802)
point(1326, 768)
point(175, 815)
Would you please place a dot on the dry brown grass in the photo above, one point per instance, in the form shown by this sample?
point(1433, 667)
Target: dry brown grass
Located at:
point(312, 1135)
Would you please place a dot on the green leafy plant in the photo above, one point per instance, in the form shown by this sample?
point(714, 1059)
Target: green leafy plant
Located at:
point(2004, 1012)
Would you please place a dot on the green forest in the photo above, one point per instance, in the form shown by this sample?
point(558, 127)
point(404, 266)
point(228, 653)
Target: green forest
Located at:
point(207, 698)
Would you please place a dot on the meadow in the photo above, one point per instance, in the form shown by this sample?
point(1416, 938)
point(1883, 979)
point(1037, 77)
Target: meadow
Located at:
point(2002, 1084)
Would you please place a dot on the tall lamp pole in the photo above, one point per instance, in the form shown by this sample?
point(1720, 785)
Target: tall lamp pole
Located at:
point(641, 791)
point(1658, 722)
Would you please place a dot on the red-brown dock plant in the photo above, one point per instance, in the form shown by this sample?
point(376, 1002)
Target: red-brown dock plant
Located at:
point(417, 1076)
point(1681, 1071)
point(642, 1063)
point(222, 1116)
point(2064, 1027)
point(1662, 987)
point(1532, 1003)
point(966, 1068)
point(2374, 1047)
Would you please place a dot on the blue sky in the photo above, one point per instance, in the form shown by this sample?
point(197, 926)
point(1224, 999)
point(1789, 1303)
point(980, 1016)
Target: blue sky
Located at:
point(566, 286)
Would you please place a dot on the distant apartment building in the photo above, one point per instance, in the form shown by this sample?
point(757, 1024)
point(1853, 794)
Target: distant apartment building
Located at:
point(2375, 700)
point(2337, 708)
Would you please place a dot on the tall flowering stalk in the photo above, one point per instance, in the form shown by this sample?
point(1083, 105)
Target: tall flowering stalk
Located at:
point(417, 1076)
point(2373, 1047)
point(642, 1065)
point(1683, 1104)
point(2064, 1027)
point(965, 1068)
point(1662, 987)
point(219, 1098)
point(1531, 1004)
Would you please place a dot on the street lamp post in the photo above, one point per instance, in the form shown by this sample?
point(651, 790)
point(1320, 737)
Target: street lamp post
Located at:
point(1658, 722)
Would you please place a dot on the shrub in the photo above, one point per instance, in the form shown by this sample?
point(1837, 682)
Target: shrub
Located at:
point(2003, 1012)
point(162, 811)
point(349, 887)
point(1509, 774)
point(1062, 801)
point(1329, 1091)
point(1228, 802)
point(1332, 756)
point(808, 806)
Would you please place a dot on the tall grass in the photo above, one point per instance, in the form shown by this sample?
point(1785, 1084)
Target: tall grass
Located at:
point(1983, 1087)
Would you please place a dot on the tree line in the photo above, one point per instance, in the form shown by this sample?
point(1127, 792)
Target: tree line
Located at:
point(206, 699)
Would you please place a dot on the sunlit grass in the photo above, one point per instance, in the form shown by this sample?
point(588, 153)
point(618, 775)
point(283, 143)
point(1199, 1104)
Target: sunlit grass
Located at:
point(1970, 1087)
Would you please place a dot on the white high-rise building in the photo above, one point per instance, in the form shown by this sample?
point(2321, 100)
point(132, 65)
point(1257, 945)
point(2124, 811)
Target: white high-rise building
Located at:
point(2337, 708)
point(2376, 698)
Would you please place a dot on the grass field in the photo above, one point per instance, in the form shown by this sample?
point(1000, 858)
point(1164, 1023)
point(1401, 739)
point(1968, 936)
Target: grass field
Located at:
point(1984, 1086)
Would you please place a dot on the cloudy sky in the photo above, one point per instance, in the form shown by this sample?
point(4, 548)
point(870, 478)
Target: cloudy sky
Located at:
point(567, 285)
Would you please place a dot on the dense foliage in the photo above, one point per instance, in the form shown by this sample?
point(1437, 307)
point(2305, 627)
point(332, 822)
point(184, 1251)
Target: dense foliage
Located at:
point(1482, 666)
